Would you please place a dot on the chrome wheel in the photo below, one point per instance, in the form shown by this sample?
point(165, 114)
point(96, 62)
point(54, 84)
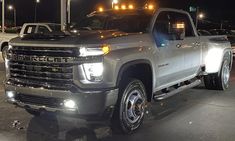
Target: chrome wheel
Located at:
point(134, 106)
point(219, 80)
point(131, 104)
point(226, 73)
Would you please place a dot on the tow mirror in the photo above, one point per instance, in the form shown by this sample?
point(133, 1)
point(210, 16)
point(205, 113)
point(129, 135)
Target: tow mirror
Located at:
point(177, 31)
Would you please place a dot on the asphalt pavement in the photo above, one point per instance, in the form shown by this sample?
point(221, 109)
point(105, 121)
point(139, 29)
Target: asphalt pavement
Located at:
point(193, 115)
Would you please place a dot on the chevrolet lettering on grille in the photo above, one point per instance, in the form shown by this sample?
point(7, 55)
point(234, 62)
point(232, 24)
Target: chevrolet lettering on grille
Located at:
point(15, 57)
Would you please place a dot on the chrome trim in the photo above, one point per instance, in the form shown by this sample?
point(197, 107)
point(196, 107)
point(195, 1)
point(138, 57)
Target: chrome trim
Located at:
point(44, 72)
point(37, 50)
point(41, 59)
point(44, 66)
point(43, 45)
point(35, 84)
point(41, 78)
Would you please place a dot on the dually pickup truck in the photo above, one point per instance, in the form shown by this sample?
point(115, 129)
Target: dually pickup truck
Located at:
point(117, 63)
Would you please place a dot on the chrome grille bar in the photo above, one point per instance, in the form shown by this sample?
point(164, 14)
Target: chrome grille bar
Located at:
point(46, 51)
point(49, 75)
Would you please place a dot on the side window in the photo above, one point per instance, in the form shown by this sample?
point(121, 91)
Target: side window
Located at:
point(170, 26)
point(161, 28)
point(43, 29)
point(183, 18)
point(30, 29)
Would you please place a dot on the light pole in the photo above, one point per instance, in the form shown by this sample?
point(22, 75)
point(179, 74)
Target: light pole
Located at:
point(3, 16)
point(10, 7)
point(69, 11)
point(63, 14)
point(199, 16)
point(35, 10)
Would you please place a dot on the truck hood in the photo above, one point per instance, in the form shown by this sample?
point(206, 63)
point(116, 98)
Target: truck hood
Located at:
point(81, 38)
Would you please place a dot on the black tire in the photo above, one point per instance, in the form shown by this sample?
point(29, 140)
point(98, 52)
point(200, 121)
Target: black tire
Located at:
point(4, 52)
point(128, 117)
point(33, 112)
point(219, 81)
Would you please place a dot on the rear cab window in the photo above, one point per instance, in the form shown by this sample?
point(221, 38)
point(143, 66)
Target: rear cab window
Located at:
point(43, 29)
point(29, 29)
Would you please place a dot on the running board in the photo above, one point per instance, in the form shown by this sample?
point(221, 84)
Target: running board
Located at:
point(171, 93)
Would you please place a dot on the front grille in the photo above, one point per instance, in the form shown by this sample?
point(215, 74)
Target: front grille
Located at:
point(46, 51)
point(40, 101)
point(42, 74)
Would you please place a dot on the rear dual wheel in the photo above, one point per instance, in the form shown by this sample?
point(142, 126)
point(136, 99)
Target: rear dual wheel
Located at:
point(219, 81)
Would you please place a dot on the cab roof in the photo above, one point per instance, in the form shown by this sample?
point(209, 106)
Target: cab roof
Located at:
point(113, 12)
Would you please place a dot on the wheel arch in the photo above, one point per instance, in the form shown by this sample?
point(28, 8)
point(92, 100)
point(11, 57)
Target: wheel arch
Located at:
point(214, 60)
point(140, 69)
point(3, 45)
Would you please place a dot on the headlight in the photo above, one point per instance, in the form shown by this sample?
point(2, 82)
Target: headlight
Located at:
point(94, 71)
point(103, 50)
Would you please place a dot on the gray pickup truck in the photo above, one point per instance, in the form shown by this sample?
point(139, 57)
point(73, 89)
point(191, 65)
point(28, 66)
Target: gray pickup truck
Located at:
point(116, 63)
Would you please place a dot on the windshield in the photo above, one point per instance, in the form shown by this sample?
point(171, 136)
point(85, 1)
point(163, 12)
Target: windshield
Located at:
point(55, 27)
point(125, 23)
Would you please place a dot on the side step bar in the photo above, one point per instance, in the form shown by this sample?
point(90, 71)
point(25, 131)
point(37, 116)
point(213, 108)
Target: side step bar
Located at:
point(171, 93)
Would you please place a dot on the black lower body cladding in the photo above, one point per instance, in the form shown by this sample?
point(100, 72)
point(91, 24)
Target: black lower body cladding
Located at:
point(91, 105)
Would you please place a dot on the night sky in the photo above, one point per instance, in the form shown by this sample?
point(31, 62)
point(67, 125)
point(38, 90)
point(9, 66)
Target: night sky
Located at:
point(49, 10)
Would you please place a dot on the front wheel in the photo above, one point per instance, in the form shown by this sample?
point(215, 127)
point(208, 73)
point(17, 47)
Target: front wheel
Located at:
point(129, 114)
point(219, 81)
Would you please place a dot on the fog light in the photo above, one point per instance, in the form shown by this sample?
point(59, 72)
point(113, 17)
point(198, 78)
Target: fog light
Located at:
point(70, 104)
point(10, 94)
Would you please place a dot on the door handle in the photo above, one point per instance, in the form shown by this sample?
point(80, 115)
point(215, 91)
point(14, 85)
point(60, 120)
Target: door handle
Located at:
point(197, 44)
point(179, 45)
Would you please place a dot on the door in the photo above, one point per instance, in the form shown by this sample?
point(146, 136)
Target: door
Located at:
point(169, 57)
point(189, 45)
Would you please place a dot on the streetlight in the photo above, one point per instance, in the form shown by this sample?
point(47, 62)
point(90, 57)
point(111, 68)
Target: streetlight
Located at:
point(35, 10)
point(100, 9)
point(199, 16)
point(114, 2)
point(10, 7)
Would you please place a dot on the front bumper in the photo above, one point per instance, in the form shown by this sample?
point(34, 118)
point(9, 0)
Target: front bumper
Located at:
point(99, 104)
